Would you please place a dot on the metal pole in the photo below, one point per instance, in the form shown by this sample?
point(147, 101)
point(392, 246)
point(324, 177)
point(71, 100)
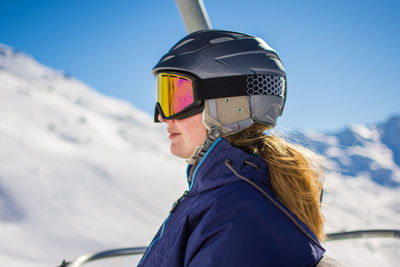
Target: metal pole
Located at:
point(140, 250)
point(363, 234)
point(194, 15)
point(104, 254)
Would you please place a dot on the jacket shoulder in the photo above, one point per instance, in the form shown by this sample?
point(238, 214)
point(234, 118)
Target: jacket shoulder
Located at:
point(236, 217)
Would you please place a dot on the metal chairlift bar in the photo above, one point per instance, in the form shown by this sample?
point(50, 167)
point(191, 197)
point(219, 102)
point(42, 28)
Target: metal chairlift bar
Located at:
point(140, 250)
point(105, 254)
point(363, 234)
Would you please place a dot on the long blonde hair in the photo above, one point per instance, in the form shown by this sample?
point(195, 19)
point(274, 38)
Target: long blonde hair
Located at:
point(295, 173)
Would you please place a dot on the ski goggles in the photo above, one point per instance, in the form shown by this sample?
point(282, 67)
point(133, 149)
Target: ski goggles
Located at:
point(176, 96)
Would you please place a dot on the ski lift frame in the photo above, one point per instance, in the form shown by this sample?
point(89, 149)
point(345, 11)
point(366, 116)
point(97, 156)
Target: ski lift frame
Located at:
point(78, 262)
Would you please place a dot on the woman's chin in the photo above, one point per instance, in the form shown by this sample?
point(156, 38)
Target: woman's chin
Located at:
point(178, 152)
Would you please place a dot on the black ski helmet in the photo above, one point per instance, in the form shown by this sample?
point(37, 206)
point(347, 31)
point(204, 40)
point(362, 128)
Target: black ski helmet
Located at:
point(230, 66)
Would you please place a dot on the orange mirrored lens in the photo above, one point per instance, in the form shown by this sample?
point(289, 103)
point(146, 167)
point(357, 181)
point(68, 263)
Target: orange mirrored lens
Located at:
point(174, 93)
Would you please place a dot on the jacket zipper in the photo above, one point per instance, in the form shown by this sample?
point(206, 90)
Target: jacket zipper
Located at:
point(178, 201)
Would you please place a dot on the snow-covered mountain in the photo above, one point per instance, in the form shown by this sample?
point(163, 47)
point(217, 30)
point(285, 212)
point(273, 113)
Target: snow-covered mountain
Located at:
point(82, 172)
point(372, 150)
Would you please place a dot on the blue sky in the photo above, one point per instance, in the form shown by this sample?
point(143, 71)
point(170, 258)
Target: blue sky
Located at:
point(341, 57)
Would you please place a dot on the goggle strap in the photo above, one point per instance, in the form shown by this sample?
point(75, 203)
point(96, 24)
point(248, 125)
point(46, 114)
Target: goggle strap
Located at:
point(241, 85)
point(222, 87)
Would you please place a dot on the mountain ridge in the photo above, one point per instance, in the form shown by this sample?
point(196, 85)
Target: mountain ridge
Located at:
point(358, 149)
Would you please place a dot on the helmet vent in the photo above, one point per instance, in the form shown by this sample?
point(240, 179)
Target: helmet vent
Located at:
point(182, 43)
point(167, 58)
point(221, 40)
point(241, 36)
point(265, 84)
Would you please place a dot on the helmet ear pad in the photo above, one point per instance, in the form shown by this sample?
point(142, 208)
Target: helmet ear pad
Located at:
point(234, 114)
point(230, 114)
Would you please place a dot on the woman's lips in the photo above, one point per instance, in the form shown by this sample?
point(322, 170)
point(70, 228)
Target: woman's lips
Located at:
point(172, 134)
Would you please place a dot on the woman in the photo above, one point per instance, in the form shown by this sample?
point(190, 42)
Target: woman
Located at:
point(253, 199)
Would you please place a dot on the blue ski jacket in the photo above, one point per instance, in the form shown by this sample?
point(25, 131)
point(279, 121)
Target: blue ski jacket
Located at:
point(224, 221)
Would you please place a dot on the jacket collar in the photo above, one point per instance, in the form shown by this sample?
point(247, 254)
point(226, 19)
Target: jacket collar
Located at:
point(212, 172)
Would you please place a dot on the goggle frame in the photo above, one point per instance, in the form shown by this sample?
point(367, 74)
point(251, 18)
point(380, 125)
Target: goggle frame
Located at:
point(195, 107)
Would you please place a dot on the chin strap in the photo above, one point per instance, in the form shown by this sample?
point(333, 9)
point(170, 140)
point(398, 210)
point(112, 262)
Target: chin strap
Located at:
point(192, 158)
point(213, 134)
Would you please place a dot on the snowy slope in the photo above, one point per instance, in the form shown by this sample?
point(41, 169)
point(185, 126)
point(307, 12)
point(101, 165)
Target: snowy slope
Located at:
point(81, 172)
